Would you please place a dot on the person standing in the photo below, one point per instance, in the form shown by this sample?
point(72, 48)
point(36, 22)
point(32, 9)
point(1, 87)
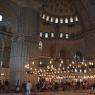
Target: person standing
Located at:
point(28, 88)
point(24, 88)
point(18, 86)
point(6, 84)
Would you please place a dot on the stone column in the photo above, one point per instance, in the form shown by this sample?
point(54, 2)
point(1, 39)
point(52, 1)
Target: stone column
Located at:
point(25, 43)
point(1, 49)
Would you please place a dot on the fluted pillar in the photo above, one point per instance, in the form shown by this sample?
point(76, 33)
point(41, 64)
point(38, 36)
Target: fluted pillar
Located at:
point(25, 43)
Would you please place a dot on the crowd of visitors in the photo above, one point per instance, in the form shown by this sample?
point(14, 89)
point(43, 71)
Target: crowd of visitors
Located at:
point(26, 87)
point(4, 86)
point(65, 85)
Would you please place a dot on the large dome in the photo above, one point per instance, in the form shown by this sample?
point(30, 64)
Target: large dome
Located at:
point(59, 8)
point(59, 11)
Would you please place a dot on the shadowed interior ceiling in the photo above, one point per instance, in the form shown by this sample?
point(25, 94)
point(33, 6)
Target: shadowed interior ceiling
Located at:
point(61, 8)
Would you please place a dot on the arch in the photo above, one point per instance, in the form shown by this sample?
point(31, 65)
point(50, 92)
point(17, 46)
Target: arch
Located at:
point(82, 11)
point(62, 53)
point(7, 10)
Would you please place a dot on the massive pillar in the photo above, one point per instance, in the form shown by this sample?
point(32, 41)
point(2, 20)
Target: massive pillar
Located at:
point(24, 43)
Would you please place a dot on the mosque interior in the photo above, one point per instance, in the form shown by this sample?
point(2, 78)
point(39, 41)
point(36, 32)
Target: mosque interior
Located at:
point(49, 40)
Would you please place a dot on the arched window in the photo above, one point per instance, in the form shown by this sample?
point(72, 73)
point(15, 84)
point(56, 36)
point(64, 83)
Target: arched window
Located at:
point(41, 34)
point(71, 19)
point(43, 17)
point(61, 35)
point(47, 18)
point(46, 35)
point(78, 56)
point(1, 17)
point(76, 18)
point(52, 35)
point(66, 20)
point(5, 22)
point(61, 20)
point(51, 20)
point(67, 36)
point(56, 20)
point(40, 45)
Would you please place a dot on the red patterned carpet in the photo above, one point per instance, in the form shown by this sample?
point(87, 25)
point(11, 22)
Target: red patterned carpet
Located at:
point(55, 93)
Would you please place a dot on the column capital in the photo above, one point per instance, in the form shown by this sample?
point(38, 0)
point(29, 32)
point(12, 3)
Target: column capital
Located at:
point(22, 37)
